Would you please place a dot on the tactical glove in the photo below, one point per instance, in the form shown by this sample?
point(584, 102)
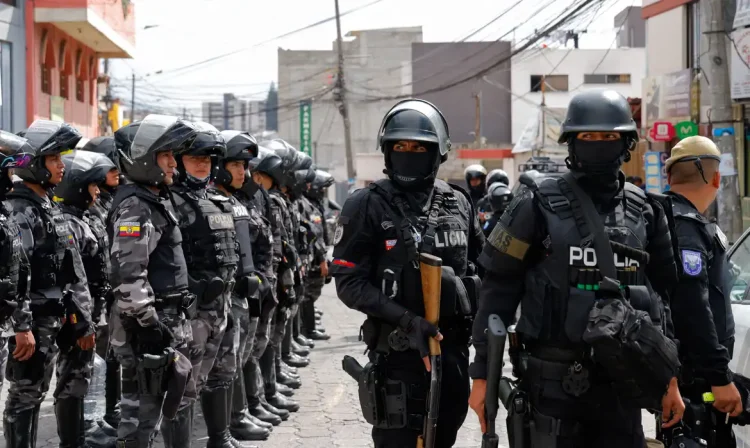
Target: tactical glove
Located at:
point(418, 331)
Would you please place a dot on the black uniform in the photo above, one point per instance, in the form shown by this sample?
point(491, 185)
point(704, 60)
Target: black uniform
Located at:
point(703, 319)
point(540, 255)
point(379, 233)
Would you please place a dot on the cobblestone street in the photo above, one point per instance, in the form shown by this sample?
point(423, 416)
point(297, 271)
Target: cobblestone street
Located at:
point(329, 414)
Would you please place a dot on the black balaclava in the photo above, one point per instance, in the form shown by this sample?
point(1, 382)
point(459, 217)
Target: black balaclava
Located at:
point(598, 164)
point(413, 171)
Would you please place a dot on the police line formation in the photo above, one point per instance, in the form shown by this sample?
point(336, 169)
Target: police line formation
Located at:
point(191, 259)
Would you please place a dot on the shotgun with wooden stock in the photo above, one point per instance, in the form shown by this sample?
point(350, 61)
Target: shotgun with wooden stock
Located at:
point(430, 268)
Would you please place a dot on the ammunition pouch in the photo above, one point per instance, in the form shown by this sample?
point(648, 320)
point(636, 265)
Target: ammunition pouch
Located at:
point(154, 372)
point(31, 370)
point(636, 355)
point(247, 286)
point(472, 284)
point(641, 299)
point(207, 290)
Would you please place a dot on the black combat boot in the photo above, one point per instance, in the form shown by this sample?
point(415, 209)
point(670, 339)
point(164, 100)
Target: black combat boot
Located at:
point(299, 349)
point(281, 402)
point(290, 381)
point(69, 415)
point(253, 392)
point(317, 335)
point(283, 389)
point(295, 360)
point(178, 431)
point(241, 426)
point(286, 368)
point(302, 340)
point(112, 393)
point(18, 429)
point(268, 369)
point(215, 413)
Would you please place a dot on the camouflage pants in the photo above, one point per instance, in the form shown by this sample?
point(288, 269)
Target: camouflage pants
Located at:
point(313, 289)
point(140, 413)
point(263, 331)
point(279, 326)
point(212, 350)
point(247, 326)
point(3, 361)
point(72, 374)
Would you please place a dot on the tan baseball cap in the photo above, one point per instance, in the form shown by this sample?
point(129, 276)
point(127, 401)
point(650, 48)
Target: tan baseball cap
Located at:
point(651, 443)
point(693, 148)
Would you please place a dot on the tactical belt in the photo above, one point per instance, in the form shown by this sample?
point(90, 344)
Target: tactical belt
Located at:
point(50, 308)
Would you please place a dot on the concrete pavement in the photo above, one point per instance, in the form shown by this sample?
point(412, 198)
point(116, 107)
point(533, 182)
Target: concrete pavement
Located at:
point(329, 414)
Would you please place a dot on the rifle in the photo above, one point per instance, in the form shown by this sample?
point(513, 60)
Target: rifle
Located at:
point(496, 335)
point(430, 268)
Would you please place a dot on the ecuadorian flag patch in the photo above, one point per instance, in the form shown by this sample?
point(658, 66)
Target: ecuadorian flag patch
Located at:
point(129, 229)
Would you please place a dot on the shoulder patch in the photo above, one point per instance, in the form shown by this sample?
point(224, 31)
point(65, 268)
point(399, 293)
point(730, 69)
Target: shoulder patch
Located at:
point(128, 229)
point(507, 244)
point(338, 234)
point(692, 262)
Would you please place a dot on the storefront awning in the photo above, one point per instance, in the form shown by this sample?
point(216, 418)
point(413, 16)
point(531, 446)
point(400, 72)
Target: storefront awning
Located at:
point(89, 28)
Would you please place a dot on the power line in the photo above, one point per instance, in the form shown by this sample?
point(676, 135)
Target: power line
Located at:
point(183, 69)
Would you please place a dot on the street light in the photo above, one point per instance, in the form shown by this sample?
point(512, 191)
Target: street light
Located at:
point(148, 27)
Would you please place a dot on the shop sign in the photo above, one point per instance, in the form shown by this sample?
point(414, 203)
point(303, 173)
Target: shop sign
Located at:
point(662, 131)
point(740, 59)
point(668, 97)
point(686, 129)
point(656, 172)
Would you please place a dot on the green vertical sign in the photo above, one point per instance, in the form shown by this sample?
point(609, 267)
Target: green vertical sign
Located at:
point(305, 127)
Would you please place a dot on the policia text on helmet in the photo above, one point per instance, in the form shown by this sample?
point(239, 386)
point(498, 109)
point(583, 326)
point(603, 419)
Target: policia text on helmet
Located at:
point(414, 138)
point(600, 133)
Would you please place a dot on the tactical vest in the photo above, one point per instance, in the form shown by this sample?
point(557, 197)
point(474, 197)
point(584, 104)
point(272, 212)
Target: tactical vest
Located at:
point(401, 234)
point(260, 229)
point(314, 216)
point(209, 242)
point(11, 252)
point(719, 278)
point(561, 289)
point(167, 270)
point(52, 262)
point(97, 266)
point(242, 225)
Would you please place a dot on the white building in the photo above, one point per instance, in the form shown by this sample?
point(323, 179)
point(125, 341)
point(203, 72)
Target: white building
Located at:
point(567, 72)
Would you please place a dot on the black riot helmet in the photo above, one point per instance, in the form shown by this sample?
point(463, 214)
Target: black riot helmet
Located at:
point(47, 138)
point(240, 146)
point(418, 121)
point(497, 175)
point(207, 142)
point(304, 174)
point(82, 168)
point(16, 153)
point(322, 181)
point(290, 160)
point(476, 171)
point(602, 111)
point(155, 134)
point(105, 146)
point(270, 164)
point(499, 196)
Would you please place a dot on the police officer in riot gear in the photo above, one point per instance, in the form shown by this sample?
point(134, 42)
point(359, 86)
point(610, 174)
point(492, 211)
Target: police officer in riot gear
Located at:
point(483, 205)
point(703, 319)
point(272, 173)
point(499, 197)
point(246, 297)
point(208, 242)
point(57, 278)
point(318, 276)
point(475, 176)
point(100, 287)
point(544, 239)
point(379, 233)
point(14, 301)
point(78, 193)
point(149, 276)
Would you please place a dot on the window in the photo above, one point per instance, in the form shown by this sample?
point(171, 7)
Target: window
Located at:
point(606, 79)
point(65, 70)
point(552, 83)
point(9, 2)
point(92, 77)
point(47, 63)
point(81, 75)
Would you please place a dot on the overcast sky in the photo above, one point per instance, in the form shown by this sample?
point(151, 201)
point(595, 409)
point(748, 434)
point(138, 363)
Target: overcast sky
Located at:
point(183, 32)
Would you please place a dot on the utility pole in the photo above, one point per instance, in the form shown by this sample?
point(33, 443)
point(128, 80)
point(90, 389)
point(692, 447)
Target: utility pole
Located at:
point(132, 100)
point(478, 119)
point(339, 95)
point(106, 125)
point(543, 124)
point(717, 71)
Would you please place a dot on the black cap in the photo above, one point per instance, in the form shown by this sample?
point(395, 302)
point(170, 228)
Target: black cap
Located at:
point(598, 110)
